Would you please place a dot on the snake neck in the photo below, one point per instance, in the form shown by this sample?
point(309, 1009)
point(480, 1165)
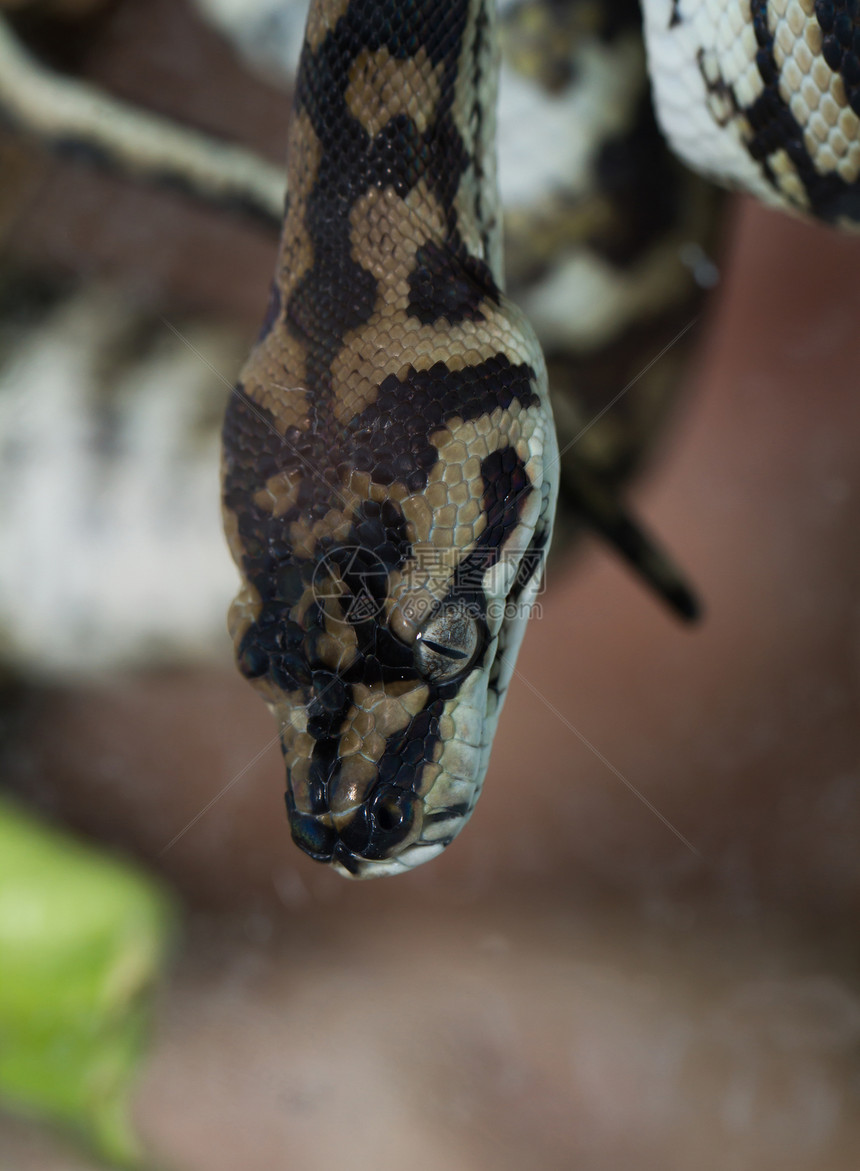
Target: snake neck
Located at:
point(399, 96)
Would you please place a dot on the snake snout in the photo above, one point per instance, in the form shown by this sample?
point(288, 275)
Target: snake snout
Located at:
point(385, 824)
point(389, 821)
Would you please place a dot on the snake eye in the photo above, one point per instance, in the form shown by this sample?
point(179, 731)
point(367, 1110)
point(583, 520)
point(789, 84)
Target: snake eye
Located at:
point(448, 644)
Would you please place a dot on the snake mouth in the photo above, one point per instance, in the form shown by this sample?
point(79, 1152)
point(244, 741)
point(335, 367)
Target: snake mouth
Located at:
point(384, 825)
point(323, 843)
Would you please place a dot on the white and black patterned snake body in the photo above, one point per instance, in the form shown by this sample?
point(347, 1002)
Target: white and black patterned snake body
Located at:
point(390, 464)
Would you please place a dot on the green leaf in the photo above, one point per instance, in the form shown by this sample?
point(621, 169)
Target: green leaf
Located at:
point(83, 939)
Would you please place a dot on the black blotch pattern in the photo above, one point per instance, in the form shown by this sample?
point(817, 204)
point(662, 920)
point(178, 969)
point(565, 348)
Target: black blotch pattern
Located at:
point(775, 127)
point(448, 282)
point(840, 23)
point(273, 310)
point(404, 26)
point(391, 439)
point(252, 448)
point(391, 808)
point(398, 156)
point(452, 813)
point(324, 764)
point(337, 294)
point(310, 833)
point(409, 750)
point(253, 451)
point(506, 490)
point(286, 651)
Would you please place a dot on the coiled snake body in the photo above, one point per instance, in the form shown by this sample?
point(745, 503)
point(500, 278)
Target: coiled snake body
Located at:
point(390, 462)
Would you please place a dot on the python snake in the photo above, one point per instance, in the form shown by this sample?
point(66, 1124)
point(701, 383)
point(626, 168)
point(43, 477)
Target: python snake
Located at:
point(390, 463)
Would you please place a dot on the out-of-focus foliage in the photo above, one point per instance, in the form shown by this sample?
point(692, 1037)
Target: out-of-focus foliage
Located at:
point(83, 938)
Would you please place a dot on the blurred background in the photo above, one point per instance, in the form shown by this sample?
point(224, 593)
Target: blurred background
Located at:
point(642, 952)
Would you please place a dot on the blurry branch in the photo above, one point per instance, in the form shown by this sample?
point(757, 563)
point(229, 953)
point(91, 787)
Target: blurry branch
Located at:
point(65, 114)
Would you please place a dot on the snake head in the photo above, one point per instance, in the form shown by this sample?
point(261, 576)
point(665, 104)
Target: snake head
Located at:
point(385, 600)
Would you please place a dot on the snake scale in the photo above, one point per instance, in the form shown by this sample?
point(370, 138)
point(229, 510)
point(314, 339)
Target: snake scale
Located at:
point(390, 464)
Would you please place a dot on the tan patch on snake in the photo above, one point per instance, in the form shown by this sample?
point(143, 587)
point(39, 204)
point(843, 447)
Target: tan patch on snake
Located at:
point(231, 532)
point(275, 375)
point(244, 611)
point(395, 492)
point(387, 231)
point(382, 87)
point(419, 518)
point(263, 381)
point(378, 712)
point(322, 19)
point(813, 91)
point(304, 152)
point(356, 778)
point(361, 484)
point(448, 517)
point(304, 538)
point(290, 709)
point(338, 647)
point(298, 745)
point(787, 178)
point(280, 493)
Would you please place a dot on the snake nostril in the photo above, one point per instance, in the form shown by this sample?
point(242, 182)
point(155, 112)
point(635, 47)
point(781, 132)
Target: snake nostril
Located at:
point(390, 814)
point(313, 836)
point(379, 827)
